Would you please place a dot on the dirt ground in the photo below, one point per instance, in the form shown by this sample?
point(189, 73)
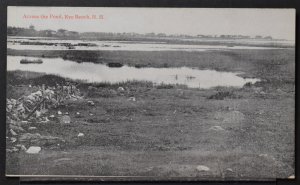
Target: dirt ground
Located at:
point(169, 131)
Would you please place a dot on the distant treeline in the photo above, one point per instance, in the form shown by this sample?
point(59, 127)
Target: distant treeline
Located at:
point(16, 31)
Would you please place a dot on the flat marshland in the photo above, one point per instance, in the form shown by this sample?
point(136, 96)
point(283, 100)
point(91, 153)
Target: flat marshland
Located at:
point(168, 130)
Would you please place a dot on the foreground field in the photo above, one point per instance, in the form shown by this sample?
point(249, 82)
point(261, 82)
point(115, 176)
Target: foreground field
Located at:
point(169, 131)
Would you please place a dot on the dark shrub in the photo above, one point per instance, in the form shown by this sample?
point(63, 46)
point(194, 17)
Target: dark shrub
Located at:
point(221, 95)
point(114, 64)
point(165, 86)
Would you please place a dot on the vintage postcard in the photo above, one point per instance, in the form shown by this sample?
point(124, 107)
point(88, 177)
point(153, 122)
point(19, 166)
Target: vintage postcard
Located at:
point(150, 93)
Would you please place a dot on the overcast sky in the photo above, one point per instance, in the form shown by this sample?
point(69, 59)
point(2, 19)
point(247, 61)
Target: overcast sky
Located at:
point(278, 23)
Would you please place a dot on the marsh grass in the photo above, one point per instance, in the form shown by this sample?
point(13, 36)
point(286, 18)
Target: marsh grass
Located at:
point(129, 136)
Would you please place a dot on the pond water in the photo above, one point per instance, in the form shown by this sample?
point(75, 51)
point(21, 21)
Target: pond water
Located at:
point(53, 44)
point(91, 72)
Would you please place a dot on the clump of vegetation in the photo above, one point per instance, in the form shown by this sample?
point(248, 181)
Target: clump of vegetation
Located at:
point(248, 84)
point(33, 78)
point(221, 95)
point(101, 92)
point(165, 65)
point(140, 65)
point(26, 61)
point(165, 86)
point(114, 64)
point(129, 84)
point(80, 56)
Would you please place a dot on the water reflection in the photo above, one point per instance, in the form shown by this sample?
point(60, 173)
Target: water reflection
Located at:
point(91, 72)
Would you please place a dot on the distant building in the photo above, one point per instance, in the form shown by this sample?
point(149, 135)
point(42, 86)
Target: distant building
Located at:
point(161, 35)
point(268, 37)
point(61, 32)
point(71, 34)
point(48, 33)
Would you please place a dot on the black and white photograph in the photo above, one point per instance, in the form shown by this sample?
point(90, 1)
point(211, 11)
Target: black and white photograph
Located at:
point(150, 93)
